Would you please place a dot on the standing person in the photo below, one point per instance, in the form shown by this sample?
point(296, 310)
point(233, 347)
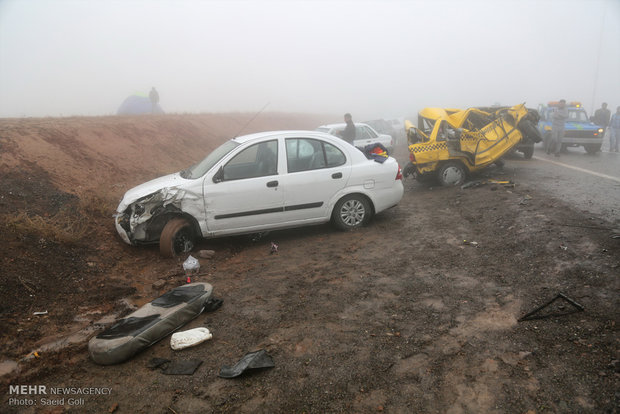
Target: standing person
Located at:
point(349, 131)
point(614, 129)
point(601, 118)
point(154, 97)
point(558, 119)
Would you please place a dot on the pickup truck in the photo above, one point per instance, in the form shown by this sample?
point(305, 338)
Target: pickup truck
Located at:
point(448, 144)
point(578, 129)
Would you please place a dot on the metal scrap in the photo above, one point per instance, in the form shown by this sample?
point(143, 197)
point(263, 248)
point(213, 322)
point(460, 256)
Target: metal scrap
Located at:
point(532, 315)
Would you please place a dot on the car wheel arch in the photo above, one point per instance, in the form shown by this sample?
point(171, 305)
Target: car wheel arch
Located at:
point(158, 223)
point(340, 196)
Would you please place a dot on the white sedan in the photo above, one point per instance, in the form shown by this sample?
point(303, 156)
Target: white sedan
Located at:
point(364, 135)
point(260, 182)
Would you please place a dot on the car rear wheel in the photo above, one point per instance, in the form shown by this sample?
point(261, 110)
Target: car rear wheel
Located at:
point(351, 212)
point(452, 174)
point(530, 131)
point(528, 152)
point(592, 148)
point(177, 237)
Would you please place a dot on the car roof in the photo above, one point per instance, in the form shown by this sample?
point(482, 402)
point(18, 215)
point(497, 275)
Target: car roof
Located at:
point(342, 125)
point(287, 134)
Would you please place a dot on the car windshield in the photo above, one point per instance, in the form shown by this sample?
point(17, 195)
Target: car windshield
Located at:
point(200, 169)
point(577, 115)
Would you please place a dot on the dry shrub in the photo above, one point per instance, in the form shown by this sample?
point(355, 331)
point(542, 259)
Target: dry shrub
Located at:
point(96, 205)
point(64, 227)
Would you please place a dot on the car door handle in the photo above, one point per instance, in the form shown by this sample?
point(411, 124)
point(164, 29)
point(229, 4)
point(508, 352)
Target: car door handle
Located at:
point(336, 175)
point(271, 184)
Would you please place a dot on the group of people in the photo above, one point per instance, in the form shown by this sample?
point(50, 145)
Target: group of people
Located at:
point(602, 117)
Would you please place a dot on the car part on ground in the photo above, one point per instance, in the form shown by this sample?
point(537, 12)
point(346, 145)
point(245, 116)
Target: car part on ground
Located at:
point(448, 144)
point(252, 360)
point(150, 323)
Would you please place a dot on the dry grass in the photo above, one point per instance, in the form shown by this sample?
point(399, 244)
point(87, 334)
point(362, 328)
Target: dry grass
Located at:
point(68, 226)
point(61, 228)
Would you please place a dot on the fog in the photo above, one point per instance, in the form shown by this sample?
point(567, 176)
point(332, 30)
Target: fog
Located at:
point(371, 58)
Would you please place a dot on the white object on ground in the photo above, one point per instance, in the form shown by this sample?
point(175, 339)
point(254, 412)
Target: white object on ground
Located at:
point(191, 265)
point(191, 337)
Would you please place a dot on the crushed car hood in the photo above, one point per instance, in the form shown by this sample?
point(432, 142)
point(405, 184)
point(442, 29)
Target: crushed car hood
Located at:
point(167, 181)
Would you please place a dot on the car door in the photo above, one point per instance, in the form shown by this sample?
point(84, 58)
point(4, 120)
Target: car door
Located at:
point(315, 171)
point(244, 195)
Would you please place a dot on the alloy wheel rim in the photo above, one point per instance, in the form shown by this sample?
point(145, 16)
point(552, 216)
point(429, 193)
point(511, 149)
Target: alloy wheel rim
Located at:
point(352, 212)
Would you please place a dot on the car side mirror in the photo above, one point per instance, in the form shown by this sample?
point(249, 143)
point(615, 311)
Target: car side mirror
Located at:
point(218, 177)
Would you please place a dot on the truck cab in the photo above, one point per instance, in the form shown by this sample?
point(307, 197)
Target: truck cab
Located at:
point(578, 130)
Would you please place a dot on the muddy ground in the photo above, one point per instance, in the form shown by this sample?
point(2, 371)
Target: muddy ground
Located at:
point(400, 316)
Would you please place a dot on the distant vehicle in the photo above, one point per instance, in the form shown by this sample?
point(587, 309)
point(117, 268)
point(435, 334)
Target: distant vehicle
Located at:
point(578, 130)
point(448, 144)
point(260, 182)
point(364, 135)
point(381, 126)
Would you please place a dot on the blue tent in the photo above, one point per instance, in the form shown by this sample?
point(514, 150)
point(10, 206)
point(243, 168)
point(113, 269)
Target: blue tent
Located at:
point(138, 105)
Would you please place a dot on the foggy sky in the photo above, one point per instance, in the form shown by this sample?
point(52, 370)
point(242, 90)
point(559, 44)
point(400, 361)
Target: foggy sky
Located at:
point(371, 58)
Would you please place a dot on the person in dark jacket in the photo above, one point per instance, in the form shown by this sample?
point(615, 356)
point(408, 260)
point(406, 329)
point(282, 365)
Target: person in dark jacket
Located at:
point(349, 131)
point(601, 117)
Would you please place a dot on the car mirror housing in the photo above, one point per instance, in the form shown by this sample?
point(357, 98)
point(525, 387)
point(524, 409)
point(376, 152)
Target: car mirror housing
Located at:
point(219, 175)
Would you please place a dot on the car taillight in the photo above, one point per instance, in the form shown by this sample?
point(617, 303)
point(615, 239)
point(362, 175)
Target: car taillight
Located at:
point(399, 174)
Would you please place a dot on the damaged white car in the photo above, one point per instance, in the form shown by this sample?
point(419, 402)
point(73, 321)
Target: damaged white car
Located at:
point(256, 183)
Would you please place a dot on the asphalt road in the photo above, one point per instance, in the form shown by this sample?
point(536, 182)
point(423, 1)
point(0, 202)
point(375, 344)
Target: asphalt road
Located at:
point(589, 182)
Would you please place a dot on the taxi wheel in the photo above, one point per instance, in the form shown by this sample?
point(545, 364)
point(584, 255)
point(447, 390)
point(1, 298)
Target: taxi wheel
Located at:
point(452, 174)
point(177, 237)
point(528, 152)
point(351, 211)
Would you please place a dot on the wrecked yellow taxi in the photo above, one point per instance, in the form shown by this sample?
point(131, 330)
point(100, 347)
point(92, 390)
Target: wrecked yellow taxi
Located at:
point(448, 144)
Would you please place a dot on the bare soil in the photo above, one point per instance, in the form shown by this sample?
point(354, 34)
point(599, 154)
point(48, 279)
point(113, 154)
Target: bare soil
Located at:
point(417, 312)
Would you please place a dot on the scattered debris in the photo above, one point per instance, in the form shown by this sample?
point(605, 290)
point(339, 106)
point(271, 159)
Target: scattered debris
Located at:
point(158, 284)
point(615, 236)
point(524, 200)
point(186, 367)
point(155, 363)
point(252, 360)
point(40, 313)
point(191, 265)
point(480, 183)
point(563, 247)
point(191, 337)
point(206, 254)
point(213, 304)
point(532, 315)
point(470, 243)
point(274, 248)
point(148, 324)
point(113, 408)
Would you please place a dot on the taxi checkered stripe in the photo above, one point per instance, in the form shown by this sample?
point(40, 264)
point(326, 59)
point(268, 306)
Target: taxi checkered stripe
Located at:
point(430, 147)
